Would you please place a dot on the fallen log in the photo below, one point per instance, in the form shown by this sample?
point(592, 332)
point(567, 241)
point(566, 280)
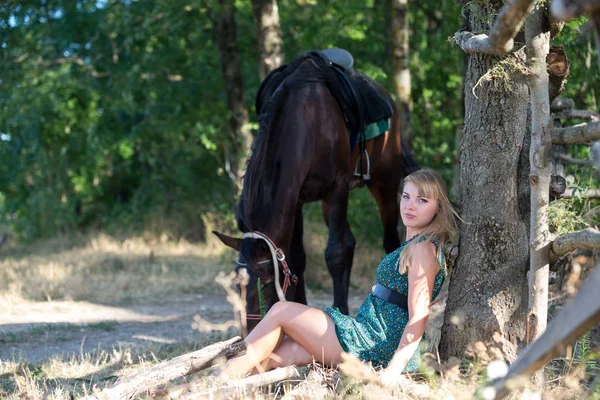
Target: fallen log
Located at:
point(186, 364)
point(243, 386)
point(582, 314)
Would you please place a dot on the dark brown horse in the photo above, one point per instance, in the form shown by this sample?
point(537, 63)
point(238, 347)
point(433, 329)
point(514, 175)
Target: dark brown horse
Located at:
point(302, 153)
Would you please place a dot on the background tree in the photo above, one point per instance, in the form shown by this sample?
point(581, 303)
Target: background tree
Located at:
point(240, 139)
point(268, 36)
point(401, 65)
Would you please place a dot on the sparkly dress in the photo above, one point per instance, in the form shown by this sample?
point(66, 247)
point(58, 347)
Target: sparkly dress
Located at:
point(376, 331)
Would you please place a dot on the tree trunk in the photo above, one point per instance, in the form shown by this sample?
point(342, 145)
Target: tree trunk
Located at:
point(488, 286)
point(401, 66)
point(239, 137)
point(268, 34)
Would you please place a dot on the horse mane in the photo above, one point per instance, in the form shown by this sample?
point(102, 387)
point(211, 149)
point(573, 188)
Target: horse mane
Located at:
point(263, 167)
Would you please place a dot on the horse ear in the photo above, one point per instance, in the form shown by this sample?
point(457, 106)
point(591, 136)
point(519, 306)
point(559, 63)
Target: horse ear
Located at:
point(229, 241)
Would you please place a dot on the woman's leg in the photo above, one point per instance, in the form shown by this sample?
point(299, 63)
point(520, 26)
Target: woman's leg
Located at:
point(310, 327)
point(288, 353)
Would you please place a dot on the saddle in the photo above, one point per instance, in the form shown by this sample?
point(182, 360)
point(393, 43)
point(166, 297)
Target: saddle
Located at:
point(363, 101)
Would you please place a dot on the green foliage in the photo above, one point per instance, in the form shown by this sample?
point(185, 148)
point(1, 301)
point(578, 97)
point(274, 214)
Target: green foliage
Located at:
point(578, 38)
point(111, 116)
point(114, 111)
point(563, 217)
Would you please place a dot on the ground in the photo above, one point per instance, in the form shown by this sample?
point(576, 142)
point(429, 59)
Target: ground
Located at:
point(77, 314)
point(31, 332)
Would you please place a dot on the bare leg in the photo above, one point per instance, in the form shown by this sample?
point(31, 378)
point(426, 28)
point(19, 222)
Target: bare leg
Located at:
point(311, 328)
point(288, 353)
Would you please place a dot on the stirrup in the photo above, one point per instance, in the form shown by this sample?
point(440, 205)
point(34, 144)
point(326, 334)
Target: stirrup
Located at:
point(367, 176)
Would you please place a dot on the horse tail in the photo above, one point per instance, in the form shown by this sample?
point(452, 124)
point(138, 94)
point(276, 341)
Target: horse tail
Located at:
point(408, 162)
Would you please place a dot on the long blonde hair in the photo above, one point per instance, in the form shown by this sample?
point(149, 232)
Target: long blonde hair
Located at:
point(431, 185)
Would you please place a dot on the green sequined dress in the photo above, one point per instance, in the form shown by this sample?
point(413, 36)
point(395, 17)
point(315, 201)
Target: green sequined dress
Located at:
point(376, 331)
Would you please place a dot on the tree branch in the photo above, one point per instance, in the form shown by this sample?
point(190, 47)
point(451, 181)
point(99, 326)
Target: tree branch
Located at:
point(568, 159)
point(585, 193)
point(595, 155)
point(501, 35)
point(586, 239)
point(568, 9)
point(586, 132)
point(246, 384)
point(582, 314)
point(562, 104)
point(578, 114)
point(79, 61)
point(209, 12)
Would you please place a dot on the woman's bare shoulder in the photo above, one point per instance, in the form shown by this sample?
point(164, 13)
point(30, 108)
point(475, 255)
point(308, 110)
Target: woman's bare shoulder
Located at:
point(424, 255)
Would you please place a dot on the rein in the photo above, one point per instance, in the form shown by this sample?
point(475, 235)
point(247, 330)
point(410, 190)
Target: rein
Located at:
point(277, 257)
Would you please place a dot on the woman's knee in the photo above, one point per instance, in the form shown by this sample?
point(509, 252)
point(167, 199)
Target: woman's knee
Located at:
point(278, 309)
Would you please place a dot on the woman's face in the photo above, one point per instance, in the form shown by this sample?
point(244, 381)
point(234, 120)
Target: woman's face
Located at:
point(417, 211)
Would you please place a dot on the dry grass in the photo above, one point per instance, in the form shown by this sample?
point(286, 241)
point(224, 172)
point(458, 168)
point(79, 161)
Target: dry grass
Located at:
point(105, 269)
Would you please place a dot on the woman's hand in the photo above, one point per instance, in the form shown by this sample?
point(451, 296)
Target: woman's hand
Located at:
point(391, 378)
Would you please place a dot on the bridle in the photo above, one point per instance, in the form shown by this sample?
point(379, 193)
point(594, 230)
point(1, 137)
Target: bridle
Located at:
point(277, 257)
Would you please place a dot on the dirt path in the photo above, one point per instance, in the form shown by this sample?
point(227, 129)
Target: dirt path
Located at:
point(32, 332)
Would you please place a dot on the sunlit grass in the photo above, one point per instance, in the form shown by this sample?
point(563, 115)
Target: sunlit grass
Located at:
point(105, 269)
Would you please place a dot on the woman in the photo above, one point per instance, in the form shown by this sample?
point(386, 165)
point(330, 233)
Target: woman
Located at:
point(392, 320)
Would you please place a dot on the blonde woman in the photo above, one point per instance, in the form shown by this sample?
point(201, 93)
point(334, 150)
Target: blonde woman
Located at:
point(390, 323)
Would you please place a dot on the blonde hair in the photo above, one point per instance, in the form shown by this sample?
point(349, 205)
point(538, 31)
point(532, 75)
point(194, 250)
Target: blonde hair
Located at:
point(431, 185)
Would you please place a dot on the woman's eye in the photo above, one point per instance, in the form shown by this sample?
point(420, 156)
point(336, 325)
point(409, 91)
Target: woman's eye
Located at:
point(405, 197)
point(423, 200)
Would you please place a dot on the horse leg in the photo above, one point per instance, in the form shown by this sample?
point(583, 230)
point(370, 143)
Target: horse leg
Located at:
point(298, 256)
point(385, 192)
point(340, 245)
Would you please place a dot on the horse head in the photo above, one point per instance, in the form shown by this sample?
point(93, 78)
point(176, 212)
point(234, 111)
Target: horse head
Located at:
point(263, 264)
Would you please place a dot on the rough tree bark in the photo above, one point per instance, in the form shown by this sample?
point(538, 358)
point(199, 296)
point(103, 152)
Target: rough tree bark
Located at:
point(268, 34)
point(401, 60)
point(239, 136)
point(488, 286)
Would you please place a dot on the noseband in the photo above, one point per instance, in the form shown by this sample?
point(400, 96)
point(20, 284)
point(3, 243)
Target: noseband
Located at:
point(277, 257)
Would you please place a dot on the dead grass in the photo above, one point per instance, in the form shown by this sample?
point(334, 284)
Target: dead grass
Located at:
point(106, 269)
point(364, 266)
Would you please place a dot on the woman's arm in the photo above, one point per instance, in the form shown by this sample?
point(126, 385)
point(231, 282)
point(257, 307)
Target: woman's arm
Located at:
point(421, 278)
